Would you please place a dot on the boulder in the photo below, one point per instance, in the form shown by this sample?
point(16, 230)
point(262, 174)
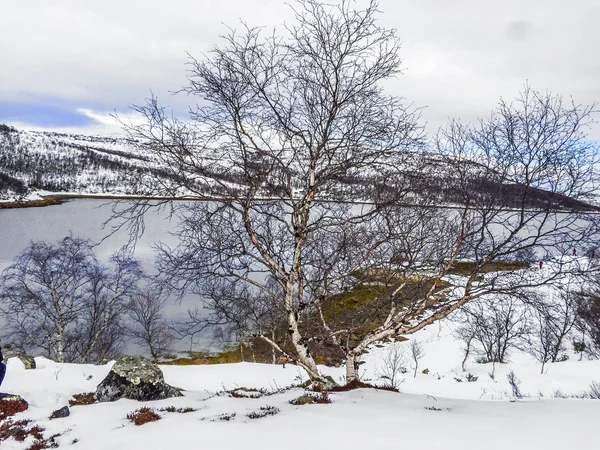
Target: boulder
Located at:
point(60, 413)
point(135, 378)
point(27, 360)
point(11, 404)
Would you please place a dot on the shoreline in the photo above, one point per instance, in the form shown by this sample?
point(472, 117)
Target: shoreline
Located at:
point(53, 199)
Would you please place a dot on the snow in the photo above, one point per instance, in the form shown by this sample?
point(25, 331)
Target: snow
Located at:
point(433, 410)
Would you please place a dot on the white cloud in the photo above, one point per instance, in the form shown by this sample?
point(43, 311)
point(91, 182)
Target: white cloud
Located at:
point(460, 56)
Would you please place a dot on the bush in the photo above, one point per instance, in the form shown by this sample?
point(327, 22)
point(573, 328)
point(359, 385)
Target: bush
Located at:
point(471, 378)
point(311, 398)
point(82, 399)
point(594, 391)
point(22, 429)
point(11, 407)
point(264, 411)
point(172, 409)
point(143, 415)
point(514, 384)
point(243, 392)
point(227, 417)
point(357, 384)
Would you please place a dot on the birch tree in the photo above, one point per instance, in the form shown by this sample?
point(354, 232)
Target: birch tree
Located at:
point(59, 299)
point(310, 176)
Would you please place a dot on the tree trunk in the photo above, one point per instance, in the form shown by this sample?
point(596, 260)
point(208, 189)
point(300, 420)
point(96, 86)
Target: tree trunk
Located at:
point(60, 348)
point(351, 369)
point(273, 354)
point(305, 359)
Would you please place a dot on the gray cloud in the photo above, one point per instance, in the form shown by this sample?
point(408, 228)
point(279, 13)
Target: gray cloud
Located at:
point(519, 30)
point(460, 56)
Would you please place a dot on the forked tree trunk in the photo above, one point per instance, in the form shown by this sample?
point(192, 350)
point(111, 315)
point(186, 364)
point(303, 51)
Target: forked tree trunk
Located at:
point(305, 359)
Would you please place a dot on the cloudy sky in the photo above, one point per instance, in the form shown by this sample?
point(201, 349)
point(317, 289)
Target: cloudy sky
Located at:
point(67, 64)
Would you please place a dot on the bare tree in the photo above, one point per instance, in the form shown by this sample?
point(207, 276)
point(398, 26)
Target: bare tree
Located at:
point(588, 320)
point(514, 383)
point(60, 299)
point(148, 326)
point(556, 317)
point(295, 129)
point(495, 327)
point(416, 352)
point(393, 365)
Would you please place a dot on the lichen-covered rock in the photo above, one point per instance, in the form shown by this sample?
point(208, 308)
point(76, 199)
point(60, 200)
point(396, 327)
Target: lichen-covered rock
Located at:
point(27, 360)
point(135, 378)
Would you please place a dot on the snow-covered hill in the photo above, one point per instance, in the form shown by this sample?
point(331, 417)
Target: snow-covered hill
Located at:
point(34, 160)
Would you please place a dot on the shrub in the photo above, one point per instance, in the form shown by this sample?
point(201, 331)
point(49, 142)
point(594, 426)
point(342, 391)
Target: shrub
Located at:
point(471, 378)
point(593, 392)
point(433, 408)
point(243, 392)
point(143, 415)
point(227, 417)
point(312, 397)
point(82, 399)
point(21, 430)
point(264, 411)
point(357, 384)
point(514, 384)
point(11, 407)
point(172, 409)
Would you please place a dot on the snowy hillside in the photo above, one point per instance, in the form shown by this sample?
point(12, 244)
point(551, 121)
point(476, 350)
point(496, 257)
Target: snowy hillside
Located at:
point(33, 160)
point(439, 408)
point(48, 162)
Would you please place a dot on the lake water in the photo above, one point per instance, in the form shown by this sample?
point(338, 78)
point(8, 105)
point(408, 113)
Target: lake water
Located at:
point(84, 218)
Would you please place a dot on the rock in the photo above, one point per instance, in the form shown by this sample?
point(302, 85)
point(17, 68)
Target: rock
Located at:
point(27, 360)
point(59, 413)
point(11, 404)
point(135, 378)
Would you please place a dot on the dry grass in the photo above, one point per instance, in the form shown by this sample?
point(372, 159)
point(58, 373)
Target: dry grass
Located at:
point(466, 267)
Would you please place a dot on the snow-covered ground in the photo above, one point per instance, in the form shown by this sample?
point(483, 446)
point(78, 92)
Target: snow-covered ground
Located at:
point(433, 410)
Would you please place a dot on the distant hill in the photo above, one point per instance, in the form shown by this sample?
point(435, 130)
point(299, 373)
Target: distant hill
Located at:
point(65, 163)
point(79, 164)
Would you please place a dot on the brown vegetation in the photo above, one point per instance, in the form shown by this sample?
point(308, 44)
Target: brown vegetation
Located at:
point(357, 384)
point(143, 415)
point(11, 407)
point(20, 430)
point(82, 399)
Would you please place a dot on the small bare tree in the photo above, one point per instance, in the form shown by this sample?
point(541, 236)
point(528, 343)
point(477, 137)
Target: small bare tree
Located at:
point(393, 365)
point(588, 317)
point(416, 352)
point(514, 383)
point(495, 327)
point(555, 318)
point(148, 326)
